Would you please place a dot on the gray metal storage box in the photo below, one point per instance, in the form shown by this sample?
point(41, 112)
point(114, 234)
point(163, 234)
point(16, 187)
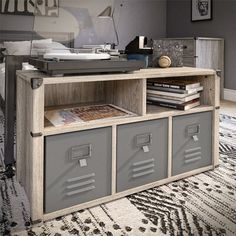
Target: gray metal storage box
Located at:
point(141, 153)
point(77, 168)
point(192, 142)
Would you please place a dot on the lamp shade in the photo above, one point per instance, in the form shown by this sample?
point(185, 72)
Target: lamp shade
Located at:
point(106, 13)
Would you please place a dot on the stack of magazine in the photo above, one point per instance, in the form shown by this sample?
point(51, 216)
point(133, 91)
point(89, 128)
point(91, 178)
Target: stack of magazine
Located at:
point(176, 93)
point(85, 113)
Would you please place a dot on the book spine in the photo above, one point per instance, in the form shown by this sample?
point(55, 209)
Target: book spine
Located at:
point(168, 105)
point(174, 86)
point(167, 89)
point(150, 83)
point(164, 93)
point(183, 87)
point(151, 98)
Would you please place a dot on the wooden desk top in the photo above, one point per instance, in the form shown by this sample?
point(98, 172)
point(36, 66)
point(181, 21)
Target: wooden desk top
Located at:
point(141, 74)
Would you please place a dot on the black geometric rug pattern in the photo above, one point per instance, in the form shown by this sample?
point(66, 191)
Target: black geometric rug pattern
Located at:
point(204, 204)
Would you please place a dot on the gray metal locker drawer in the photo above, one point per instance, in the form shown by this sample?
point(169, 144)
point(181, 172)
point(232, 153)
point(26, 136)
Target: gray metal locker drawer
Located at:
point(192, 142)
point(77, 168)
point(141, 153)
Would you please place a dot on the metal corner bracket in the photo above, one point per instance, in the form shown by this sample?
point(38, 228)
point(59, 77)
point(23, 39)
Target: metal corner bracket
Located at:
point(218, 73)
point(34, 135)
point(36, 82)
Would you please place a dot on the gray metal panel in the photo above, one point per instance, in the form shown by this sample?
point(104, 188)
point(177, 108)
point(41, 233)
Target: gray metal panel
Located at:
point(77, 168)
point(135, 167)
point(192, 142)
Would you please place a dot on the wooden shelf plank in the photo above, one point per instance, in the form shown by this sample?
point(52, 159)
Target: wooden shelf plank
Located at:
point(141, 74)
point(153, 112)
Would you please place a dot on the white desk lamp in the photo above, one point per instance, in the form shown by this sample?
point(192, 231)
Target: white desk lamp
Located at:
point(108, 13)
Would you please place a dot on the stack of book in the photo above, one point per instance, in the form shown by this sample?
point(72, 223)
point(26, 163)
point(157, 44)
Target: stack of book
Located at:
point(177, 93)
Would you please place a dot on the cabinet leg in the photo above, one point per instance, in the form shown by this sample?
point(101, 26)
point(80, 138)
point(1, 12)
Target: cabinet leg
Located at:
point(10, 171)
point(38, 222)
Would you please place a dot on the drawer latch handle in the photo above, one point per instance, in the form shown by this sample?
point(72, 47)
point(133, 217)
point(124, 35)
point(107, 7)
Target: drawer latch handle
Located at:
point(195, 138)
point(145, 148)
point(80, 153)
point(143, 141)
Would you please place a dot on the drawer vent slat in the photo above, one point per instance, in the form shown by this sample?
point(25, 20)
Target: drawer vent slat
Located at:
point(193, 160)
point(143, 173)
point(81, 184)
point(192, 155)
point(80, 190)
point(193, 150)
point(80, 178)
point(143, 162)
point(143, 168)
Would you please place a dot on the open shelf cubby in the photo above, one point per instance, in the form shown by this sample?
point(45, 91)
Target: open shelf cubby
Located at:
point(207, 95)
point(122, 95)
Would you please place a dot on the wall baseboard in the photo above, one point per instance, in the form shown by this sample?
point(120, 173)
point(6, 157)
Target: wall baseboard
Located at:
point(230, 95)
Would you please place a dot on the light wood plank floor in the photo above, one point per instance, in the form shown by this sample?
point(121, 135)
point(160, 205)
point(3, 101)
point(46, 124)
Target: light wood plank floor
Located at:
point(228, 108)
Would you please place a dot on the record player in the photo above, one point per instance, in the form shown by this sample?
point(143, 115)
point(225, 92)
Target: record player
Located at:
point(79, 62)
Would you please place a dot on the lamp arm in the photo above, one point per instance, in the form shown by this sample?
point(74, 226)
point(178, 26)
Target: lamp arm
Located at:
point(116, 33)
point(32, 37)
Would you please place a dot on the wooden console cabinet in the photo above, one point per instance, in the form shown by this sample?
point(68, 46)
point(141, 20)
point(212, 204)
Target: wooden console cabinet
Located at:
point(123, 155)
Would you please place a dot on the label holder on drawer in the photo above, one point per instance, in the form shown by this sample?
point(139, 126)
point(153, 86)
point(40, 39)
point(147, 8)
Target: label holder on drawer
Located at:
point(193, 131)
point(143, 141)
point(80, 152)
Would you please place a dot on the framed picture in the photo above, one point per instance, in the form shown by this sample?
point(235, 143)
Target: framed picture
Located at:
point(201, 10)
point(30, 7)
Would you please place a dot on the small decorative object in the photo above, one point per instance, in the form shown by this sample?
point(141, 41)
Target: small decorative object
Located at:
point(170, 48)
point(28, 7)
point(164, 62)
point(201, 10)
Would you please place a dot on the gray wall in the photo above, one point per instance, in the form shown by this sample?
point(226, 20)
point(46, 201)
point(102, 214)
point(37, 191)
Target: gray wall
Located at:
point(222, 25)
point(11, 22)
point(135, 17)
